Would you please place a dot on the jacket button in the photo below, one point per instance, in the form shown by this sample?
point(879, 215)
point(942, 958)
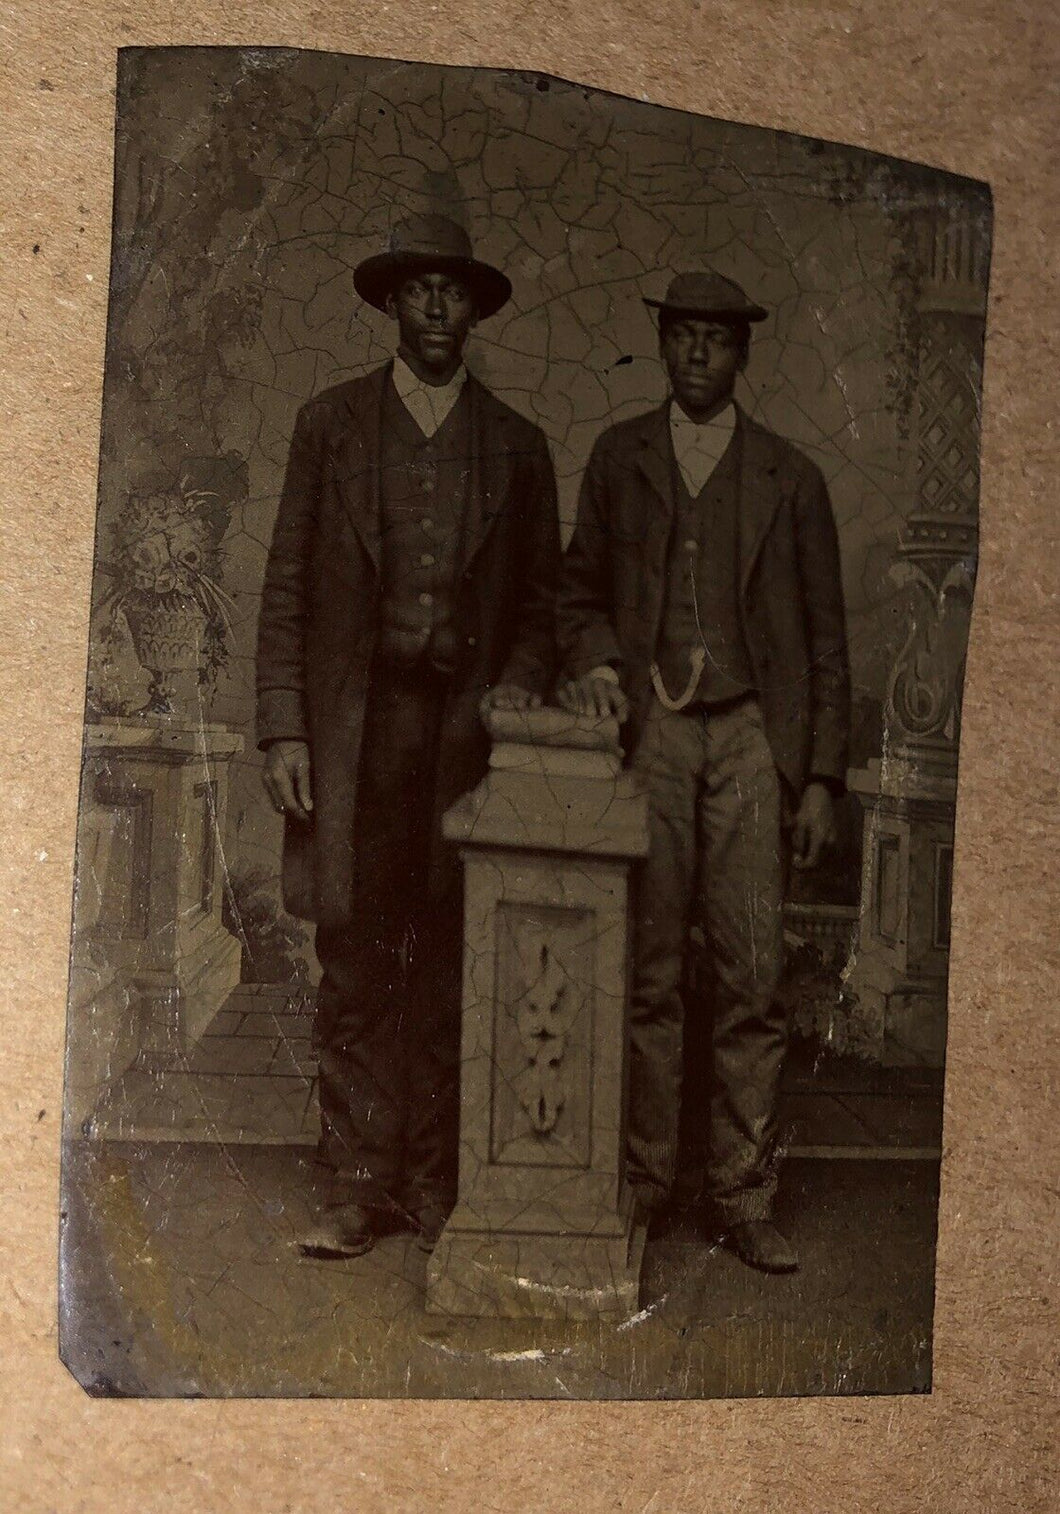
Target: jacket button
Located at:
point(472, 641)
point(426, 599)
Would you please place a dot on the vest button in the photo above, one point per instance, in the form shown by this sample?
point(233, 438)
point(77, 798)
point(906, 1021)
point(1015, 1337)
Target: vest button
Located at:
point(427, 560)
point(427, 523)
point(426, 599)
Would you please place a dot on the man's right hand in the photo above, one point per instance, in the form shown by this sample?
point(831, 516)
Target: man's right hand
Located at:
point(594, 696)
point(287, 778)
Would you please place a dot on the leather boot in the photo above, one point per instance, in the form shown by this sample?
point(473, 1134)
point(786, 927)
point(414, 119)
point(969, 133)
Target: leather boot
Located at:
point(343, 1231)
point(760, 1244)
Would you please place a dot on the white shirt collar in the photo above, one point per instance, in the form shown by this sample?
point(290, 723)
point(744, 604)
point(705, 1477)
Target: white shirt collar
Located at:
point(722, 423)
point(700, 445)
point(428, 404)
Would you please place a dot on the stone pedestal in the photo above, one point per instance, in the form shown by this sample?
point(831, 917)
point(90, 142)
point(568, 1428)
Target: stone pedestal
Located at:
point(149, 891)
point(899, 969)
point(544, 1222)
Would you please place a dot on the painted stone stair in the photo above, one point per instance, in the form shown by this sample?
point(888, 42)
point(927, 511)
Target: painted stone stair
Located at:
point(252, 1080)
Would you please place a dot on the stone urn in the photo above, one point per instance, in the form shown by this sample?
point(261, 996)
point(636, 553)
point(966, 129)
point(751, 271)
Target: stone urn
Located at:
point(168, 641)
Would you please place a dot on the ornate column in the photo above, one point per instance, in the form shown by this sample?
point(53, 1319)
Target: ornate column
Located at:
point(544, 1222)
point(148, 894)
point(899, 967)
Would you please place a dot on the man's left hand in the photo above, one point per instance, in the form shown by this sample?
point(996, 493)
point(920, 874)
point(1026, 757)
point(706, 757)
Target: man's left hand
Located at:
point(814, 826)
point(510, 696)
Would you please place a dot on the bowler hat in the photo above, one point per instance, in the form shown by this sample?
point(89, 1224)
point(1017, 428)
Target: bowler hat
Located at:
point(430, 243)
point(709, 296)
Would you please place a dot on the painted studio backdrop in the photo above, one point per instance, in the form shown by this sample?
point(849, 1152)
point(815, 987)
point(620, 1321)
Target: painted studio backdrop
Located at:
point(248, 184)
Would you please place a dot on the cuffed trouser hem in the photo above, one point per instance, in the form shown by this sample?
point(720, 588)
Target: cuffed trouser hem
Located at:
point(648, 1197)
point(748, 1204)
point(342, 1188)
point(415, 1199)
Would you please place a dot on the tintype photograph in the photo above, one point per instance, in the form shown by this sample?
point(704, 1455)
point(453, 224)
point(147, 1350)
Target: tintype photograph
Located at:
point(535, 547)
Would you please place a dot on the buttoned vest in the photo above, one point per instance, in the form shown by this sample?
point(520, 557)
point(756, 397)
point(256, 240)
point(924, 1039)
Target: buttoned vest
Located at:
point(423, 493)
point(702, 605)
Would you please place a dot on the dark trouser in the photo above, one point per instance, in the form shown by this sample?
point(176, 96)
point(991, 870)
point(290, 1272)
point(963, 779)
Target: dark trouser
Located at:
point(388, 1008)
point(717, 860)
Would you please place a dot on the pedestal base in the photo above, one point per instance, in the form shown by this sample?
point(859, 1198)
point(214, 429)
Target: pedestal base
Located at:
point(149, 898)
point(474, 1272)
point(908, 1016)
point(175, 1007)
point(898, 971)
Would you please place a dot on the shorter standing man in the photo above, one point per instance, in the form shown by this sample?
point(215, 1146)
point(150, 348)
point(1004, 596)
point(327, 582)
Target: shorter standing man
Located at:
point(701, 601)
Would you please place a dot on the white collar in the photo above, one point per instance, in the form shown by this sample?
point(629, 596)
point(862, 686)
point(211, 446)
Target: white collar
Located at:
point(700, 445)
point(703, 433)
point(428, 404)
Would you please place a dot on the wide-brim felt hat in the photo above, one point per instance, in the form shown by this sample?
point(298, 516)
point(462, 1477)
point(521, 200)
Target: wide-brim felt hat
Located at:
point(709, 296)
point(430, 244)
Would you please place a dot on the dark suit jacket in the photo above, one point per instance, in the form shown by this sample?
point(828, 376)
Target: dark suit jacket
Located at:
point(320, 611)
point(791, 600)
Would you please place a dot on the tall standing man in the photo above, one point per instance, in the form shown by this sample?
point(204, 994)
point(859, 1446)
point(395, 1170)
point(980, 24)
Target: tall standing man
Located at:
point(701, 601)
point(412, 574)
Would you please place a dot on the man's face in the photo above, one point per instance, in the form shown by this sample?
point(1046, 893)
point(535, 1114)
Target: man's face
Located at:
point(702, 358)
point(434, 312)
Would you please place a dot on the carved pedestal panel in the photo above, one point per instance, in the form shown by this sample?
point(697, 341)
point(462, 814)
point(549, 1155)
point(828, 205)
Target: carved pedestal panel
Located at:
point(152, 961)
point(544, 1224)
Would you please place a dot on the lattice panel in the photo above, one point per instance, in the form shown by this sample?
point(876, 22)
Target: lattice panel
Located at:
point(948, 442)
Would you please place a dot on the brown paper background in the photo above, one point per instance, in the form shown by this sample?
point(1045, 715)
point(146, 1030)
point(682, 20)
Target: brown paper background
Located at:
point(968, 85)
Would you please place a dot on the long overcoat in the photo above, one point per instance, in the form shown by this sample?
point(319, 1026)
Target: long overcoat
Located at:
point(613, 585)
point(321, 601)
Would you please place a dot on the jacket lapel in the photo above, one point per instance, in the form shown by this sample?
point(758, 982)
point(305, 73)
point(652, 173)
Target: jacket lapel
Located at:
point(760, 492)
point(358, 474)
point(655, 453)
point(655, 460)
point(490, 464)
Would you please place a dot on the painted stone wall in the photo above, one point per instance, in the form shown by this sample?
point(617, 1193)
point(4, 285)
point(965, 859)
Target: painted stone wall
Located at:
point(249, 186)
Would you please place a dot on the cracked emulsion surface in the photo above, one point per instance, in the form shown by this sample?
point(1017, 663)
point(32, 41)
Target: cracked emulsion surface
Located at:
point(249, 184)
